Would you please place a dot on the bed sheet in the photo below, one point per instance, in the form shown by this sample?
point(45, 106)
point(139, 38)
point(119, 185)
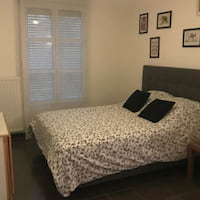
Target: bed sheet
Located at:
point(81, 145)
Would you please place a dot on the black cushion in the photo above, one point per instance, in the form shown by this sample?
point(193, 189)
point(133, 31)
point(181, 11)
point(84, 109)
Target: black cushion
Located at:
point(136, 101)
point(156, 110)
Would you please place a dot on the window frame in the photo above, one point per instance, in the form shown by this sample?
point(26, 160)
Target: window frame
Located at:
point(54, 7)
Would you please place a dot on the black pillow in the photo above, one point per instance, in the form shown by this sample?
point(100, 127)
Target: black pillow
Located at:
point(156, 110)
point(136, 101)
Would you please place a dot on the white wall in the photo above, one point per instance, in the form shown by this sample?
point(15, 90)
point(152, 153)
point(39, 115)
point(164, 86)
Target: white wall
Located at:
point(8, 38)
point(171, 51)
point(110, 49)
point(115, 52)
point(10, 62)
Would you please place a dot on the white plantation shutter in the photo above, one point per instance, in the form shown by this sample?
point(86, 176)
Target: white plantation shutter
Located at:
point(40, 54)
point(45, 75)
point(53, 59)
point(51, 81)
point(70, 53)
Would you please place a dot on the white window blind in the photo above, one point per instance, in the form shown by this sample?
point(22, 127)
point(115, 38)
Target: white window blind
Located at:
point(70, 53)
point(40, 54)
point(54, 52)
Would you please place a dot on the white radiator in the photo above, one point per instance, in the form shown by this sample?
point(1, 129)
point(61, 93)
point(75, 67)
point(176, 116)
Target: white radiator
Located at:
point(11, 102)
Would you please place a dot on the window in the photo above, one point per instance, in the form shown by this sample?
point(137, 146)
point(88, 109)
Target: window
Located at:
point(40, 55)
point(54, 54)
point(52, 57)
point(70, 54)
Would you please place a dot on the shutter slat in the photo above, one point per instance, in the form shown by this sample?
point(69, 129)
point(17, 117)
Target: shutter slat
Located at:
point(42, 86)
point(70, 54)
point(40, 54)
point(71, 85)
point(41, 57)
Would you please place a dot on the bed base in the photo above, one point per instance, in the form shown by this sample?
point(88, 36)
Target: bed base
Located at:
point(133, 172)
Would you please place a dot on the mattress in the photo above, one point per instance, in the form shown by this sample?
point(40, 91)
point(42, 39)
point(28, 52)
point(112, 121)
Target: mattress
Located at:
point(81, 145)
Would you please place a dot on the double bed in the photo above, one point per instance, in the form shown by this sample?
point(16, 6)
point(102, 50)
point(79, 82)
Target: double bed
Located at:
point(85, 144)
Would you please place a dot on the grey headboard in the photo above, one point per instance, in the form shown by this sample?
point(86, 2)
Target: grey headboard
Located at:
point(177, 81)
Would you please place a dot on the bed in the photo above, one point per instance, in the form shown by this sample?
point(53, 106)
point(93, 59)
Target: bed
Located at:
point(85, 144)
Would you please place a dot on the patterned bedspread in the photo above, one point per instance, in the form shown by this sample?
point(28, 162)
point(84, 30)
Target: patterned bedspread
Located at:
point(84, 144)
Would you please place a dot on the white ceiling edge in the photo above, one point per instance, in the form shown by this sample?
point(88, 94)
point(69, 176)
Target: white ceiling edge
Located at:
point(80, 2)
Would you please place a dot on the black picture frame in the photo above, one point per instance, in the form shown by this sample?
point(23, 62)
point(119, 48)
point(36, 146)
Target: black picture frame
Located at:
point(191, 37)
point(143, 23)
point(164, 20)
point(154, 47)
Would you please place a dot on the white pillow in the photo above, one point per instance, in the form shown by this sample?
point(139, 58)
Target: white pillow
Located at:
point(160, 93)
point(156, 94)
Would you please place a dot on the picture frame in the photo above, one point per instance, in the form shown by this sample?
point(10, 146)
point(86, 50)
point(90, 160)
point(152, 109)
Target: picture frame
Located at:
point(154, 47)
point(143, 23)
point(164, 20)
point(191, 37)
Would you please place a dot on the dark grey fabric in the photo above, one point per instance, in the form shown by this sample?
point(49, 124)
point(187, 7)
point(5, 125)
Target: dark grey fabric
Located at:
point(156, 110)
point(136, 101)
point(177, 81)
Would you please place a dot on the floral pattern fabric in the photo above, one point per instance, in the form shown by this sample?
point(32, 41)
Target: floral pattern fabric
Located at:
point(84, 144)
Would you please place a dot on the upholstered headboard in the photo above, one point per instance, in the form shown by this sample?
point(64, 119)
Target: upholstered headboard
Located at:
point(177, 81)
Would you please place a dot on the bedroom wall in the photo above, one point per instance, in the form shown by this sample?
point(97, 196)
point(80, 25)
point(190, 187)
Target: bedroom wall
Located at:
point(8, 40)
point(108, 54)
point(110, 51)
point(11, 103)
point(115, 51)
point(171, 52)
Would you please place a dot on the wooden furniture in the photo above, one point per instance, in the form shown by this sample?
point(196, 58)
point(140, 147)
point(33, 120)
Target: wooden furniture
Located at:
point(193, 148)
point(6, 165)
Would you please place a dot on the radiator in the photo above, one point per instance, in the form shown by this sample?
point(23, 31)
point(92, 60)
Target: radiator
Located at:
point(11, 103)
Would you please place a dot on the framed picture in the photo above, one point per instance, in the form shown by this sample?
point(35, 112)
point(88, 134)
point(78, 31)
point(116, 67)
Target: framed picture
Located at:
point(154, 47)
point(143, 23)
point(164, 20)
point(191, 37)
